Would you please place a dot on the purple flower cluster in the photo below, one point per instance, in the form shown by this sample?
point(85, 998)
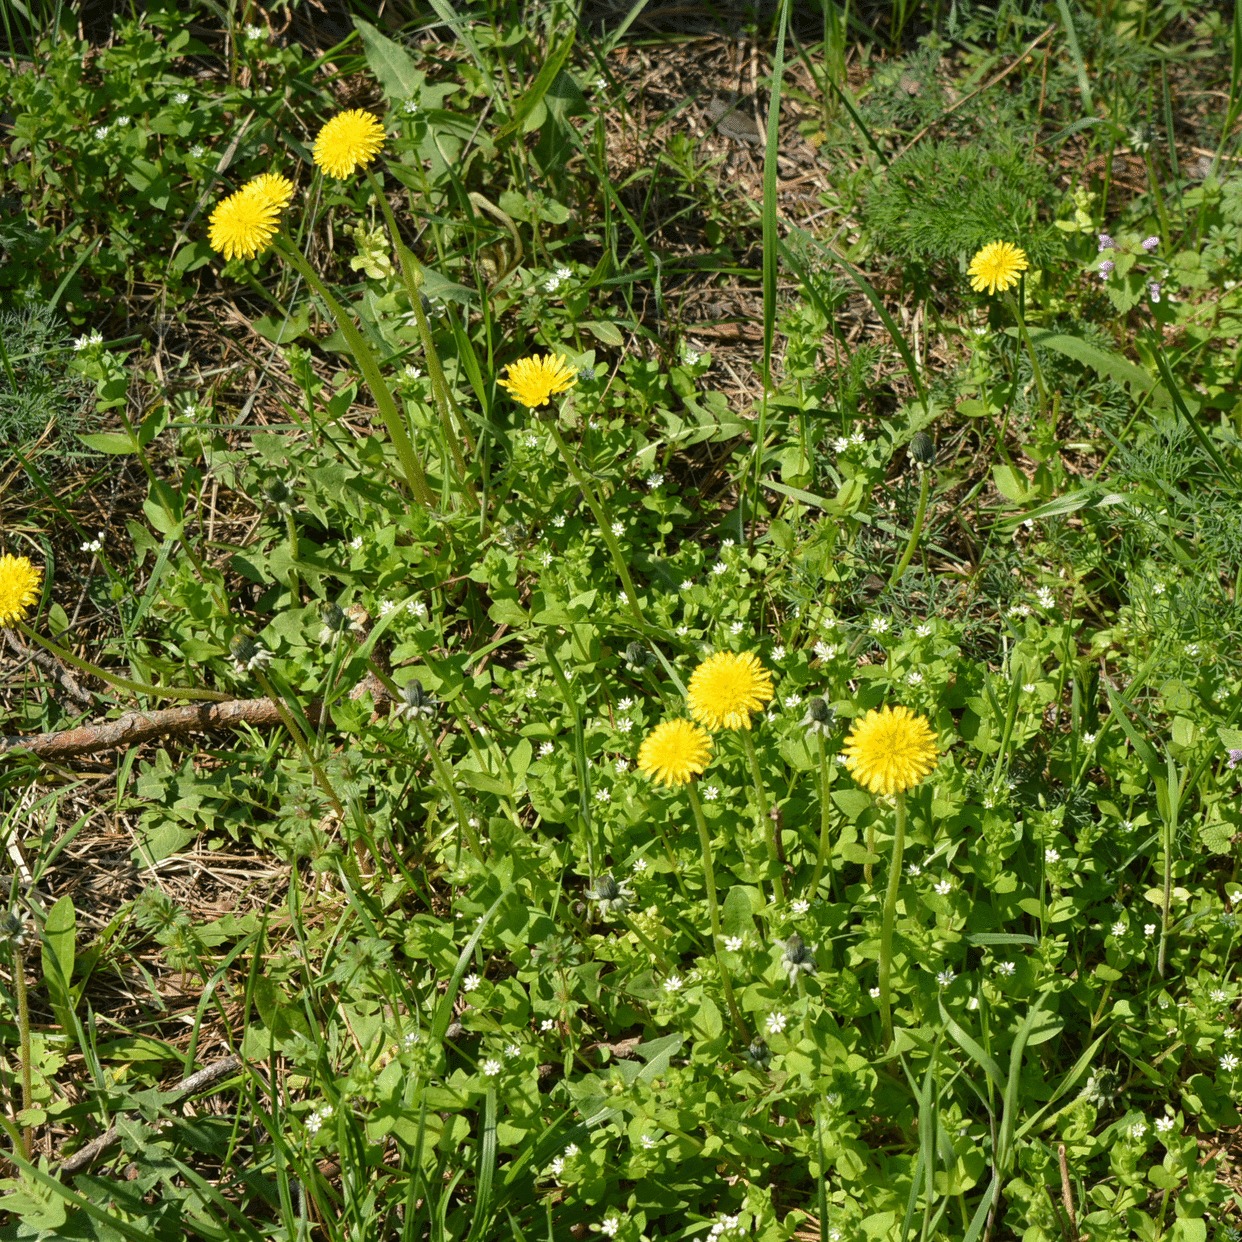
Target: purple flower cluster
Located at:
point(1235, 757)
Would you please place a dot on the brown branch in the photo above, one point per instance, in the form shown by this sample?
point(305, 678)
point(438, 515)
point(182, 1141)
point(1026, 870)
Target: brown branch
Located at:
point(136, 727)
point(206, 1077)
point(52, 666)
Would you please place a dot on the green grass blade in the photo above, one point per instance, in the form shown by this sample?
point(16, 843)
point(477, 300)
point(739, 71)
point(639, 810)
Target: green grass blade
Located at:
point(481, 1216)
point(1080, 67)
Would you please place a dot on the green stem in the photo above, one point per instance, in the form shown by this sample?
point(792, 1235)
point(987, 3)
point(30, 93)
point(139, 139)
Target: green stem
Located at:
point(123, 683)
point(300, 742)
point(295, 595)
point(660, 957)
point(23, 1030)
point(825, 834)
point(363, 356)
point(601, 519)
point(917, 530)
point(713, 910)
point(445, 778)
point(890, 915)
point(1030, 349)
point(767, 826)
point(411, 271)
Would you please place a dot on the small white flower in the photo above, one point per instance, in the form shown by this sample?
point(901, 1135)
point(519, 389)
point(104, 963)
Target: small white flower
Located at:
point(879, 625)
point(254, 32)
point(776, 1023)
point(800, 905)
point(1088, 739)
point(546, 558)
point(736, 628)
point(685, 586)
point(558, 521)
point(1020, 610)
point(793, 701)
point(1219, 995)
point(548, 1024)
point(655, 479)
point(557, 1167)
point(944, 886)
point(101, 132)
point(356, 543)
point(571, 1150)
point(915, 678)
point(1229, 1062)
point(618, 529)
point(857, 439)
point(412, 372)
point(512, 1050)
point(944, 978)
point(1005, 968)
point(1043, 597)
point(609, 1225)
point(1149, 929)
point(875, 993)
point(840, 444)
point(914, 870)
point(470, 983)
point(410, 107)
point(640, 865)
point(624, 726)
point(1028, 687)
point(197, 151)
point(622, 766)
point(317, 1118)
point(545, 749)
point(418, 608)
point(733, 943)
point(1158, 588)
point(1165, 1124)
point(682, 630)
point(720, 568)
point(727, 543)
point(778, 652)
point(386, 606)
point(93, 545)
point(603, 795)
point(1127, 825)
point(1118, 929)
point(923, 630)
point(1051, 855)
point(672, 983)
point(1138, 1129)
point(710, 793)
point(649, 1141)
point(691, 357)
point(492, 1067)
point(825, 651)
point(95, 338)
point(181, 97)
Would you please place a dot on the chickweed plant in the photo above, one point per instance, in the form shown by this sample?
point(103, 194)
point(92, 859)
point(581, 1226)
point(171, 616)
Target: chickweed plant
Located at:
point(506, 771)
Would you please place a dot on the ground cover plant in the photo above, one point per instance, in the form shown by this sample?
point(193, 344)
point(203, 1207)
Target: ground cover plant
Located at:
point(620, 624)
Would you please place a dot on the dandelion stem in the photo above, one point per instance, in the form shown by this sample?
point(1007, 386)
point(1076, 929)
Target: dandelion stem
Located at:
point(825, 835)
point(122, 683)
point(411, 270)
point(445, 778)
point(709, 877)
point(1030, 349)
point(23, 1030)
point(917, 529)
point(605, 529)
point(767, 826)
point(889, 917)
point(363, 356)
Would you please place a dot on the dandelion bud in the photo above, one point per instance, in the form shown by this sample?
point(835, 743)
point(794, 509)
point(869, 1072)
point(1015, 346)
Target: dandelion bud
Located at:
point(13, 929)
point(613, 898)
point(248, 653)
point(759, 1055)
point(415, 701)
point(819, 716)
point(277, 493)
point(922, 448)
point(799, 958)
point(637, 656)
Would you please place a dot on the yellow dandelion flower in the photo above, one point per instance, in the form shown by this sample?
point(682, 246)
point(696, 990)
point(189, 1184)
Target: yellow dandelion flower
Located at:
point(996, 266)
point(243, 225)
point(890, 750)
point(726, 688)
point(271, 188)
point(19, 588)
point(347, 142)
point(533, 380)
point(674, 751)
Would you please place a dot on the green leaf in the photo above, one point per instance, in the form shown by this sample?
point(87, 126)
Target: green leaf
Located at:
point(112, 442)
point(394, 68)
point(281, 329)
point(1103, 362)
point(1012, 485)
point(59, 948)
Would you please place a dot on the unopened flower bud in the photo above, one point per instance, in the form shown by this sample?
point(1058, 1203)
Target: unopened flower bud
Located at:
point(922, 448)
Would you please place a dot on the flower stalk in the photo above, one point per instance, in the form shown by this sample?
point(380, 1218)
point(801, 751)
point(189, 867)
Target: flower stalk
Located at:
point(889, 918)
point(713, 911)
